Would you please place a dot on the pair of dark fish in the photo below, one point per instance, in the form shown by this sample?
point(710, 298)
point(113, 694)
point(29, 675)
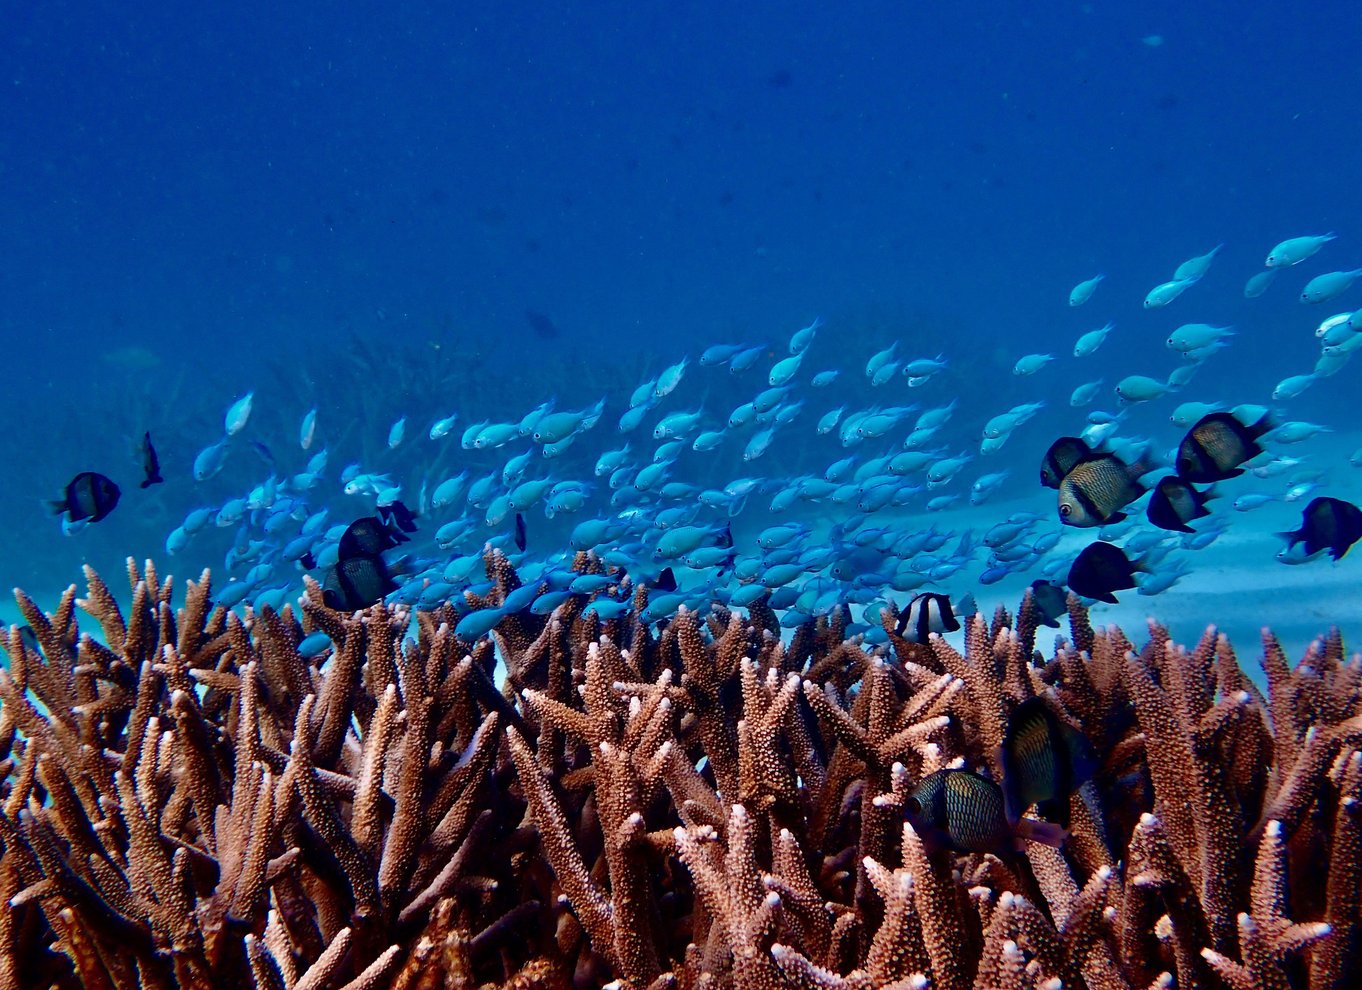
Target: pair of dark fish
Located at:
point(1217, 446)
point(1044, 760)
point(1100, 570)
point(361, 576)
point(1327, 523)
point(1051, 601)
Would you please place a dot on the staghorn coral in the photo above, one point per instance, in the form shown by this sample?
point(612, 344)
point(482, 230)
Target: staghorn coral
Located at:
point(188, 802)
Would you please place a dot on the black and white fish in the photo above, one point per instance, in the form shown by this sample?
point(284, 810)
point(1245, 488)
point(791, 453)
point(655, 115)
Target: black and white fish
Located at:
point(931, 612)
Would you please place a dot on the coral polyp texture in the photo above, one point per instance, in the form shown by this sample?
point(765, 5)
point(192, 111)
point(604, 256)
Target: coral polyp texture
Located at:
point(189, 801)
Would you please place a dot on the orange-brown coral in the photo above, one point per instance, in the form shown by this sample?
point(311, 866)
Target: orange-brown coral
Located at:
point(188, 801)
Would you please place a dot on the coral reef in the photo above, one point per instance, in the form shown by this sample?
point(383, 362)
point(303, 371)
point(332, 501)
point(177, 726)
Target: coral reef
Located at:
point(189, 802)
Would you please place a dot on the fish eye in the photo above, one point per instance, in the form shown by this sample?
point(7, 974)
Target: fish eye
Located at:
point(912, 806)
point(1065, 510)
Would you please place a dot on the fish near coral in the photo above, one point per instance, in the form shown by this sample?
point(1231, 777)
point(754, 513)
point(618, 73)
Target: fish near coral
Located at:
point(1100, 570)
point(966, 812)
point(357, 582)
point(929, 613)
point(1044, 760)
point(1051, 600)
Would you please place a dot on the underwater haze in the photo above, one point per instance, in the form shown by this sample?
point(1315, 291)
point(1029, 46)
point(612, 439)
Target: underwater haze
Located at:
point(651, 234)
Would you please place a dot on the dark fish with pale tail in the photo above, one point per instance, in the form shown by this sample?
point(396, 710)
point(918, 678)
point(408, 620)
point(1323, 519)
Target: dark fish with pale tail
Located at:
point(151, 464)
point(1051, 600)
point(521, 538)
point(1216, 446)
point(963, 811)
point(1063, 455)
point(357, 582)
point(1327, 523)
point(1175, 503)
point(930, 613)
point(1097, 488)
point(89, 497)
point(1100, 570)
point(1044, 760)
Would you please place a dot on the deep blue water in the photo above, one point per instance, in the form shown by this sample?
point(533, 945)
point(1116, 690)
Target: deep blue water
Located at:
point(194, 204)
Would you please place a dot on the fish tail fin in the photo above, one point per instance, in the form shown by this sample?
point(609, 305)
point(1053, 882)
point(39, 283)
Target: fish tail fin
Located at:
point(967, 605)
point(56, 506)
point(1045, 833)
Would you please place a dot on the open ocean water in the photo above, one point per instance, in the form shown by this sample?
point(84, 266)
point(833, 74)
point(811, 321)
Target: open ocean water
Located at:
point(382, 214)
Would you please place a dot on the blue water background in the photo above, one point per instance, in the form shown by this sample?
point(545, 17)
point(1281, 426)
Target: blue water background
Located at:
point(199, 202)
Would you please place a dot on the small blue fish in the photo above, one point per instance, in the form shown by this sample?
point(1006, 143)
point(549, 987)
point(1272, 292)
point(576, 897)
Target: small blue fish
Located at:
point(308, 429)
point(210, 460)
point(396, 433)
point(237, 414)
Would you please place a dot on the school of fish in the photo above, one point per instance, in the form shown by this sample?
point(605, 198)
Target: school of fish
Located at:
point(676, 488)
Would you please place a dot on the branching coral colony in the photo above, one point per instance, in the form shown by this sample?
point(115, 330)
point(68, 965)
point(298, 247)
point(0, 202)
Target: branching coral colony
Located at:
point(191, 803)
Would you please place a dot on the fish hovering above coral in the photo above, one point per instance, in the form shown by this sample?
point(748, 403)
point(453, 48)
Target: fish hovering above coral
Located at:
point(357, 582)
point(89, 497)
point(931, 612)
point(966, 812)
point(1051, 601)
point(1100, 570)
